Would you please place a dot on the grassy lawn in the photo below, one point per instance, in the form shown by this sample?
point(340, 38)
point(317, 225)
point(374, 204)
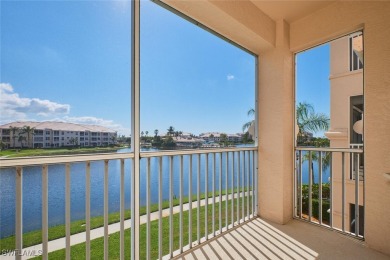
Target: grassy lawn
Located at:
point(97, 245)
point(11, 153)
point(35, 237)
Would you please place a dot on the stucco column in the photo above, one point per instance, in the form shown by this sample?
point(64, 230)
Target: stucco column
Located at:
point(276, 103)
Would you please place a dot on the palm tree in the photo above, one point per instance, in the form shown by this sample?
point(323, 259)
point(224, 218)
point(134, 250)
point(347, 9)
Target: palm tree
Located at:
point(156, 132)
point(21, 139)
point(146, 133)
point(315, 157)
point(251, 112)
point(309, 121)
point(28, 130)
point(171, 130)
point(13, 129)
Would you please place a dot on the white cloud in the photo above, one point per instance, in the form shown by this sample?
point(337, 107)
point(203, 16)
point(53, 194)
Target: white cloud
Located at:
point(230, 77)
point(90, 120)
point(17, 108)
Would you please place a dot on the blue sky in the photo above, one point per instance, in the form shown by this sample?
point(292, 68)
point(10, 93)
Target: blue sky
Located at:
point(70, 61)
point(312, 79)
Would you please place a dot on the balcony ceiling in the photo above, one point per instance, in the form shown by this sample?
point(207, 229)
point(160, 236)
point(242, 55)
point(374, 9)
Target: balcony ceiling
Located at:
point(290, 10)
point(250, 23)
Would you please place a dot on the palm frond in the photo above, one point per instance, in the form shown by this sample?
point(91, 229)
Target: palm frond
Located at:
point(247, 125)
point(251, 112)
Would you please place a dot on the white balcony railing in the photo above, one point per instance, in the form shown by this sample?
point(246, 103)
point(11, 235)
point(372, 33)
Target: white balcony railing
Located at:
point(357, 162)
point(323, 192)
point(214, 190)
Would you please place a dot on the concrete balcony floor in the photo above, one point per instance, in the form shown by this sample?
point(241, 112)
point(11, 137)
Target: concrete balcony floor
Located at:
point(260, 239)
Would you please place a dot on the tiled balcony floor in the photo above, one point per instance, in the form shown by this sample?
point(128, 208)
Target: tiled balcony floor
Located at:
point(259, 239)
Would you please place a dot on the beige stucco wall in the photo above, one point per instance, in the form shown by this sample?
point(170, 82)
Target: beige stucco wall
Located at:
point(276, 101)
point(343, 85)
point(374, 18)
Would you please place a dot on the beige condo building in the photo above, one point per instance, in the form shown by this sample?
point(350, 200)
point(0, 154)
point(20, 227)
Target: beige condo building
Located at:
point(51, 134)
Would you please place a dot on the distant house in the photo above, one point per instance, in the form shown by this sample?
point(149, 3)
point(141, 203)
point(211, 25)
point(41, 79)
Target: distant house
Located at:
point(216, 137)
point(51, 134)
point(188, 142)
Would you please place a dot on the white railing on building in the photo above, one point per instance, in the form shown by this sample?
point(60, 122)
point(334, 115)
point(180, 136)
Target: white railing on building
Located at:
point(312, 210)
point(237, 170)
point(357, 162)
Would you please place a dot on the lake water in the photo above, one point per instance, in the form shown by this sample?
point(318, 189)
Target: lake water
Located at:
point(32, 188)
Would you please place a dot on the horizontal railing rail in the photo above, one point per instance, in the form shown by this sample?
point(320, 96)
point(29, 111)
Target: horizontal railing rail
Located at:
point(334, 201)
point(213, 189)
point(61, 159)
point(326, 149)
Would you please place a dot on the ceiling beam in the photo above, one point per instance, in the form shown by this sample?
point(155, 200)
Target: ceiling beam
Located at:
point(239, 21)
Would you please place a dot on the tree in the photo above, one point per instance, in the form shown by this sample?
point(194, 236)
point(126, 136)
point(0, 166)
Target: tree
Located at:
point(168, 143)
point(2, 145)
point(13, 129)
point(155, 132)
point(142, 134)
point(325, 158)
point(21, 139)
point(246, 138)
point(29, 131)
point(251, 112)
point(171, 131)
point(223, 139)
point(74, 141)
point(113, 139)
point(309, 121)
point(146, 133)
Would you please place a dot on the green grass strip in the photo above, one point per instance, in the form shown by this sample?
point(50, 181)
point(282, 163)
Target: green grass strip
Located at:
point(97, 245)
point(35, 237)
point(12, 153)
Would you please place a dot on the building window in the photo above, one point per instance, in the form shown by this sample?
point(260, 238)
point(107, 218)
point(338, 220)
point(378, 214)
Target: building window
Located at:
point(38, 132)
point(356, 52)
point(47, 132)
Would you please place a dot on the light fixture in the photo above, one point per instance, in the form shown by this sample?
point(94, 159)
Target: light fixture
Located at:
point(358, 126)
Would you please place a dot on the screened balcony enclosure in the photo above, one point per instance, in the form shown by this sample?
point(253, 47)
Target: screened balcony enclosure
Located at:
point(246, 202)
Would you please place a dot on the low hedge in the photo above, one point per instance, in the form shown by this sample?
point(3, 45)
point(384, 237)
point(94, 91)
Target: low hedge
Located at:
point(315, 201)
